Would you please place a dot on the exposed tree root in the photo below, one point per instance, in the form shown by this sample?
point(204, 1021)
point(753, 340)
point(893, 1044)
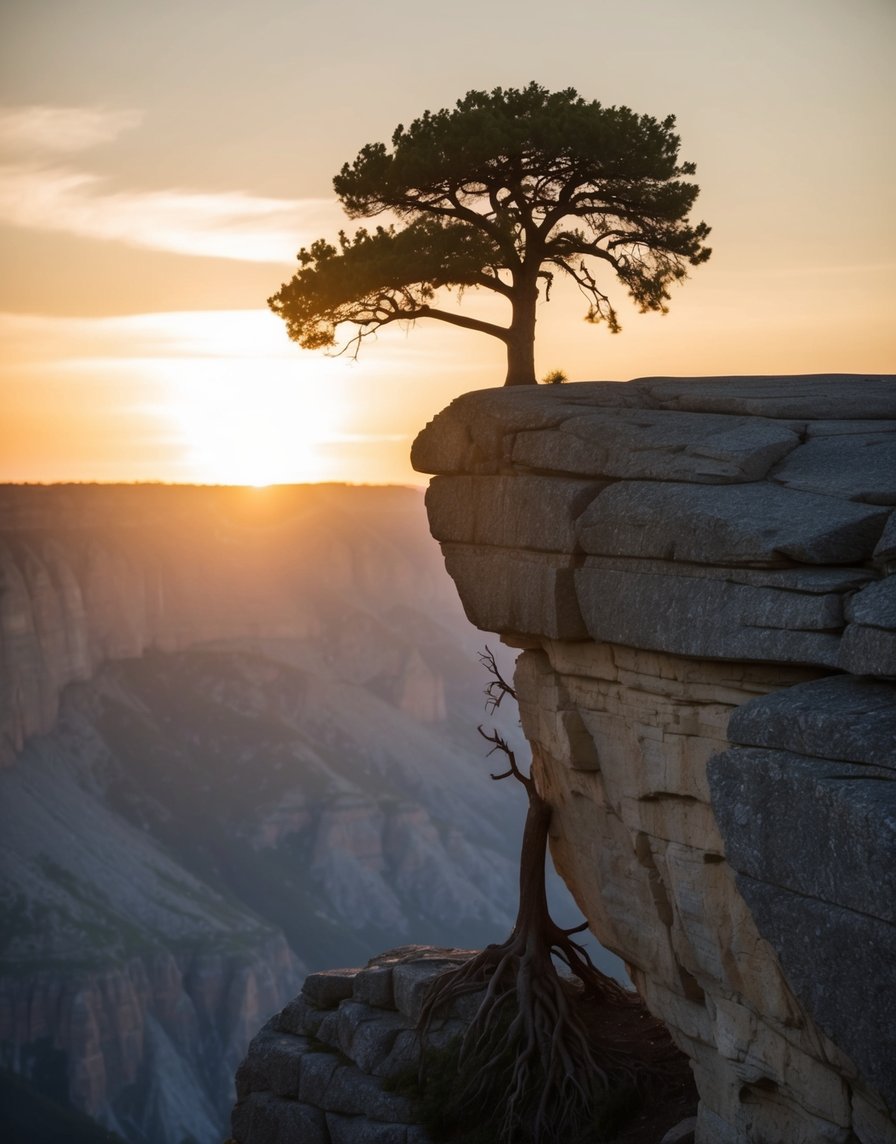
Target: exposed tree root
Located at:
point(527, 1026)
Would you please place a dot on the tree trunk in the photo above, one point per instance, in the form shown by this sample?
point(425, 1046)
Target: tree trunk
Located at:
point(521, 336)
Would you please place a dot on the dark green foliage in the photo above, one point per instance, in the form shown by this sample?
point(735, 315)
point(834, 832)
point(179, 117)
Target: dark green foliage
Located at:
point(500, 192)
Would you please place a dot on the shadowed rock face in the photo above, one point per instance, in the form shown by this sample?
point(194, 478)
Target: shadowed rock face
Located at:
point(685, 563)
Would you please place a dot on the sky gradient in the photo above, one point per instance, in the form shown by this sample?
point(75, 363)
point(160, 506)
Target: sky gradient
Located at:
point(161, 164)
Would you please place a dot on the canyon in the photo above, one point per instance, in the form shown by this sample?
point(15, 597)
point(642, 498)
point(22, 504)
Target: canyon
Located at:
point(238, 739)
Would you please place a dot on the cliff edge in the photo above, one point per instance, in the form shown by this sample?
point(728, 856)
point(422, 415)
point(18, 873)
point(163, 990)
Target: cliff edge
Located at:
point(698, 572)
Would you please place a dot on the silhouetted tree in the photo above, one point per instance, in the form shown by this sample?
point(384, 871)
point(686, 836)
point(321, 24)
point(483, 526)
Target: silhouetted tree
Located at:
point(502, 192)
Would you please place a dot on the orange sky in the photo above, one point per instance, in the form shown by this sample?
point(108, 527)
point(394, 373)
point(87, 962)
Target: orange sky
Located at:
point(162, 163)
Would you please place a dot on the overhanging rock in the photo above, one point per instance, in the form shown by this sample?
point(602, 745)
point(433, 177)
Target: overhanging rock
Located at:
point(699, 573)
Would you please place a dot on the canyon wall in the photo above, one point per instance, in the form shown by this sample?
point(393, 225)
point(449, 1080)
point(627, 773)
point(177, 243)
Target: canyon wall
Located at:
point(96, 573)
point(238, 732)
point(698, 573)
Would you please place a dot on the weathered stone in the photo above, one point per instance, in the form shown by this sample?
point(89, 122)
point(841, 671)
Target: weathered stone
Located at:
point(300, 1016)
point(867, 651)
point(757, 523)
point(514, 590)
point(869, 641)
point(412, 981)
point(521, 511)
point(366, 1035)
point(714, 619)
point(267, 1119)
point(355, 1093)
point(326, 989)
point(834, 718)
point(840, 964)
point(318, 1069)
point(856, 468)
point(657, 445)
point(373, 986)
point(273, 1062)
point(885, 552)
point(875, 605)
point(762, 799)
point(360, 1130)
point(829, 396)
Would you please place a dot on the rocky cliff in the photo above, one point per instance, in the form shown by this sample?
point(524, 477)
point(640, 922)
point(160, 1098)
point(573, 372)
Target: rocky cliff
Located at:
point(699, 575)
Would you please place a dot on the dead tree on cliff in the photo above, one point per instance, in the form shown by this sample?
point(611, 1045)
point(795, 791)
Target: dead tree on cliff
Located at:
point(529, 1015)
point(500, 193)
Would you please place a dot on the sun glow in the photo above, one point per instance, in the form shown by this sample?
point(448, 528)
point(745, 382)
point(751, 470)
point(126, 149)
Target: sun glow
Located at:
point(251, 423)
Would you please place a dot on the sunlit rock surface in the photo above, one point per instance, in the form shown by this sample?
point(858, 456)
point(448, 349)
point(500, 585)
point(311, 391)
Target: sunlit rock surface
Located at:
point(698, 571)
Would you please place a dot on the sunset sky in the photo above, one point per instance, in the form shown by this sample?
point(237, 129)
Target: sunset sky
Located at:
point(162, 163)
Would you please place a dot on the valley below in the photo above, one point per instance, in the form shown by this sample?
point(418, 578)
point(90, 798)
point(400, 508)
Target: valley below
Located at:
point(241, 745)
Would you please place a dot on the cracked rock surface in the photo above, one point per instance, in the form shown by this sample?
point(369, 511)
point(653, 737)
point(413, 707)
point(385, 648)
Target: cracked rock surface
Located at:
point(699, 574)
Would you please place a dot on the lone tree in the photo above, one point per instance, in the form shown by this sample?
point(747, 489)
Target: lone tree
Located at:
point(501, 193)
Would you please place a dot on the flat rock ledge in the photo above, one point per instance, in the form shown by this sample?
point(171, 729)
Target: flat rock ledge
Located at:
point(700, 575)
point(319, 1071)
point(720, 518)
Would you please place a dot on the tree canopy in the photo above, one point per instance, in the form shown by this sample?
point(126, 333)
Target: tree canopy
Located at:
point(502, 192)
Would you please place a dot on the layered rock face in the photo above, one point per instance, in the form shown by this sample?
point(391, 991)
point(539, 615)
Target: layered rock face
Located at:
point(324, 1069)
point(698, 573)
point(95, 573)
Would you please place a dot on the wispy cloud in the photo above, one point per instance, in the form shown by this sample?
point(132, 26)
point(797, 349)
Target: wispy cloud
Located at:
point(39, 190)
point(226, 224)
point(62, 129)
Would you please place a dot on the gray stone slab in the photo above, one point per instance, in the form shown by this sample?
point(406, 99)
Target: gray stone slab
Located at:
point(360, 1130)
point(355, 1093)
point(511, 590)
point(273, 1062)
point(841, 965)
point(366, 1034)
point(475, 433)
point(300, 1016)
point(885, 552)
point(869, 642)
point(860, 467)
point(657, 445)
point(267, 1119)
point(404, 1055)
point(412, 982)
point(709, 618)
point(519, 511)
point(868, 651)
point(326, 989)
point(373, 986)
point(842, 815)
point(834, 718)
point(315, 1076)
point(875, 605)
point(728, 524)
point(837, 396)
point(842, 428)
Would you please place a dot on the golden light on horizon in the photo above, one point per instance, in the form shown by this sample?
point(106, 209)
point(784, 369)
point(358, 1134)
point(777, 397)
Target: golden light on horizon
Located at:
point(251, 423)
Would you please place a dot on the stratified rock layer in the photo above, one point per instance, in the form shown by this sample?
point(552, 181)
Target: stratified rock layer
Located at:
point(323, 1070)
point(698, 573)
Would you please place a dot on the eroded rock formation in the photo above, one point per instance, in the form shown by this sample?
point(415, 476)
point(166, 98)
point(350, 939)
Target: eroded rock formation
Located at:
point(697, 572)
